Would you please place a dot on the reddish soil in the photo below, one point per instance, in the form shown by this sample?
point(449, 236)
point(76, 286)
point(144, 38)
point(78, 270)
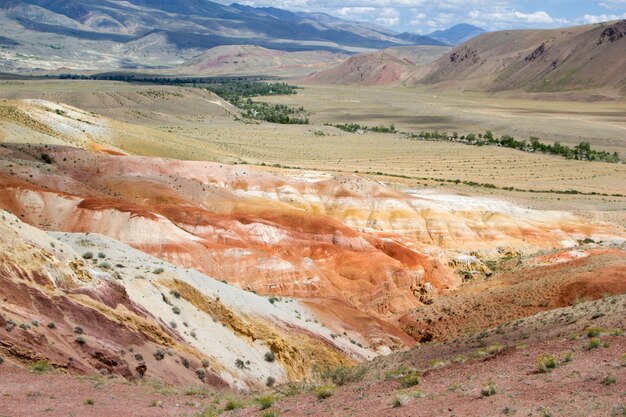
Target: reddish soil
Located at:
point(27, 394)
point(590, 384)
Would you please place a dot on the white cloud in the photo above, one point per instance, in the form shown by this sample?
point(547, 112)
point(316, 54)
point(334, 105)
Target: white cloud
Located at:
point(591, 18)
point(388, 21)
point(613, 4)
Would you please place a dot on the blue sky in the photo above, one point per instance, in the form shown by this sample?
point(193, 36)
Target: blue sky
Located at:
point(424, 16)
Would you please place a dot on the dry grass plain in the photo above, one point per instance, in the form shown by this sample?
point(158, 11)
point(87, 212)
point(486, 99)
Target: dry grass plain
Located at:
point(189, 124)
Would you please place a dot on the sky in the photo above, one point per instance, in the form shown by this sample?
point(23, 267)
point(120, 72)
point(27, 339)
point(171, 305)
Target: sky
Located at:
point(425, 16)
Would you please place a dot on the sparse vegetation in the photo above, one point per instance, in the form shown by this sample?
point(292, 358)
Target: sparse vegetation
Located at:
point(88, 255)
point(201, 373)
point(325, 391)
point(409, 380)
point(594, 332)
point(546, 363)
point(343, 375)
point(269, 356)
point(40, 367)
point(488, 389)
point(609, 380)
point(266, 400)
point(594, 343)
point(232, 404)
point(46, 158)
point(159, 354)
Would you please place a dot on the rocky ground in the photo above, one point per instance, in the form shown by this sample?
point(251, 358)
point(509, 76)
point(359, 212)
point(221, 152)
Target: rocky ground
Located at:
point(491, 374)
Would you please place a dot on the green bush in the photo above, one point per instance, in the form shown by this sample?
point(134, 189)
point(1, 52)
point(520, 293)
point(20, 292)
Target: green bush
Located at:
point(488, 389)
point(267, 400)
point(545, 363)
point(40, 367)
point(343, 375)
point(594, 332)
point(410, 380)
point(594, 343)
point(325, 391)
point(232, 405)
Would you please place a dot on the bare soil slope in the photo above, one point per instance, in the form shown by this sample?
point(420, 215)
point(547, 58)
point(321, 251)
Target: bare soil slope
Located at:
point(576, 58)
point(387, 67)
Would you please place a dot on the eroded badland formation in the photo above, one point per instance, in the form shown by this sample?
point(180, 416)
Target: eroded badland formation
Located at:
point(162, 252)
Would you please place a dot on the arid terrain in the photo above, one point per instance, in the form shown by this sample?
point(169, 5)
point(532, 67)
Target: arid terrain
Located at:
point(337, 246)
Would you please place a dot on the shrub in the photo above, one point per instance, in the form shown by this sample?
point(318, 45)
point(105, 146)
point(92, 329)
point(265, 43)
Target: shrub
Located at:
point(270, 381)
point(87, 255)
point(101, 255)
point(205, 363)
point(88, 401)
point(10, 325)
point(173, 324)
point(240, 364)
point(488, 389)
point(80, 340)
point(40, 367)
point(399, 401)
point(232, 405)
point(594, 343)
point(495, 348)
point(545, 363)
point(269, 356)
point(410, 380)
point(266, 401)
point(185, 362)
point(78, 330)
point(158, 271)
point(269, 413)
point(201, 373)
point(46, 158)
point(105, 265)
point(158, 354)
point(609, 380)
point(343, 375)
point(51, 325)
point(568, 357)
point(1, 360)
point(176, 310)
point(594, 332)
point(325, 391)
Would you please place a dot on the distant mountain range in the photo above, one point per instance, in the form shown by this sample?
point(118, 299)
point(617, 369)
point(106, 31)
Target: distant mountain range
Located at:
point(457, 34)
point(48, 35)
point(587, 58)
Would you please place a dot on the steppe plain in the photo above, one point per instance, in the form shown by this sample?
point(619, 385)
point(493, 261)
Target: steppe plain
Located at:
point(190, 123)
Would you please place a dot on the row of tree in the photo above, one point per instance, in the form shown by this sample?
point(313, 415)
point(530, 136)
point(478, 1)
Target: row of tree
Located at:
point(582, 151)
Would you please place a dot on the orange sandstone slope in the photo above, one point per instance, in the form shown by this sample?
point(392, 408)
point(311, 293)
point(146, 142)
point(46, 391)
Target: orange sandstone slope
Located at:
point(350, 239)
point(117, 310)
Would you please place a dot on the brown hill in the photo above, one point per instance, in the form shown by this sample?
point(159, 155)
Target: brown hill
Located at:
point(587, 57)
point(255, 60)
point(389, 66)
